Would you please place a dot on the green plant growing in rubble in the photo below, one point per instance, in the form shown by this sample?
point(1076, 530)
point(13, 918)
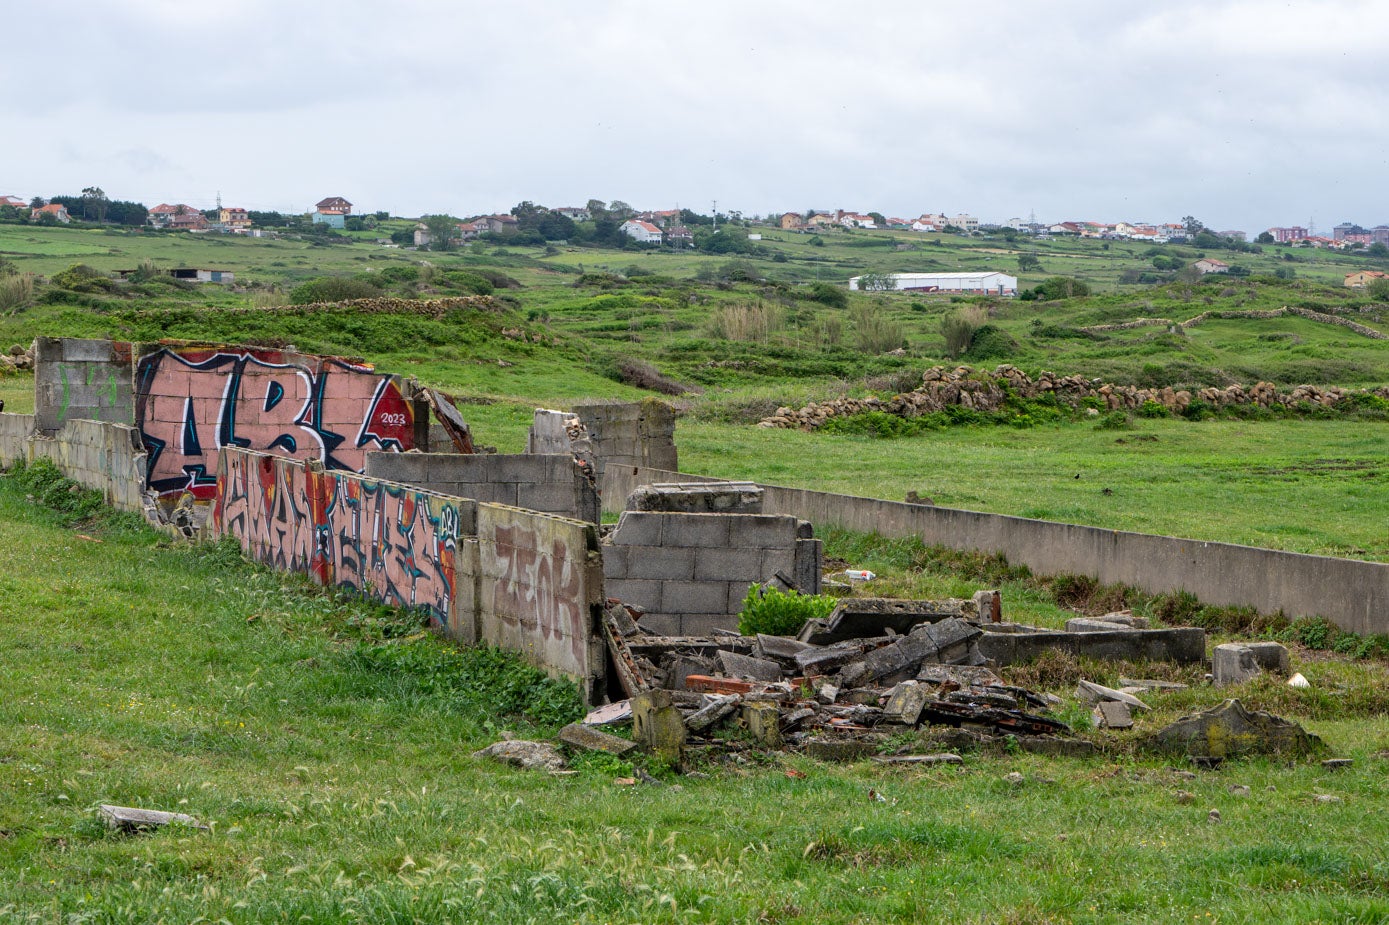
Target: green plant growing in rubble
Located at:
point(780, 613)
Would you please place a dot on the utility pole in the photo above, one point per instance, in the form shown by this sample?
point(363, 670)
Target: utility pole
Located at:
point(716, 215)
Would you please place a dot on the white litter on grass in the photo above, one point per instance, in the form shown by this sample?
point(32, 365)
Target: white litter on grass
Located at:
point(1298, 680)
point(859, 574)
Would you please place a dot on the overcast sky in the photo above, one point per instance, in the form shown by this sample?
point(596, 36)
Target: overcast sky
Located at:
point(1246, 113)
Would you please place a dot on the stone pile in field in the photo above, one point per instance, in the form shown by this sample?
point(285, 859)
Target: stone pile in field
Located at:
point(18, 358)
point(980, 390)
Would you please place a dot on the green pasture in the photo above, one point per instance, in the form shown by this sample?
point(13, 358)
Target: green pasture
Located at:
point(327, 745)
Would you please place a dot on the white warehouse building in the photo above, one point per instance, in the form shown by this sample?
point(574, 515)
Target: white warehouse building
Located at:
point(980, 283)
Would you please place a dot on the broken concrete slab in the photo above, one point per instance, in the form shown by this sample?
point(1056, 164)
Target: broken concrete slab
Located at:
point(1233, 663)
point(697, 498)
point(533, 756)
point(1093, 625)
point(609, 713)
point(857, 618)
point(783, 649)
point(132, 819)
point(1113, 714)
point(825, 749)
point(718, 708)
point(963, 675)
point(1230, 730)
point(1185, 645)
point(920, 760)
point(745, 666)
point(588, 739)
point(905, 702)
point(897, 661)
point(1152, 685)
point(679, 667)
point(988, 606)
point(1090, 692)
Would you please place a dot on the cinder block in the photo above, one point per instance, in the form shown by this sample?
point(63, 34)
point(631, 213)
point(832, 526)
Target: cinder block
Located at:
point(638, 529)
point(702, 624)
point(696, 529)
point(694, 597)
point(777, 560)
point(615, 560)
point(638, 593)
point(412, 468)
point(662, 624)
point(770, 531)
point(737, 593)
point(663, 562)
point(82, 350)
point(552, 498)
point(1270, 656)
point(735, 565)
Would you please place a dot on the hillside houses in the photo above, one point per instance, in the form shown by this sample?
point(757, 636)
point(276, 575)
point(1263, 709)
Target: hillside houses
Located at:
point(1363, 278)
point(57, 210)
point(1211, 265)
point(177, 217)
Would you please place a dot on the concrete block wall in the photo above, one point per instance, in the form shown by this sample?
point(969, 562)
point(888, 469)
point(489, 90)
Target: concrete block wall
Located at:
point(81, 379)
point(551, 484)
point(1351, 593)
point(15, 431)
point(631, 434)
point(690, 572)
point(98, 455)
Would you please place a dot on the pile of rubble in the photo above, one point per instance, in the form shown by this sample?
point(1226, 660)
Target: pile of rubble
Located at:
point(982, 391)
point(19, 358)
point(871, 669)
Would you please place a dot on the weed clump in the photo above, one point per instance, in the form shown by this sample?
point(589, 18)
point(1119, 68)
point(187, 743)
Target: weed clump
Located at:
point(781, 613)
point(45, 484)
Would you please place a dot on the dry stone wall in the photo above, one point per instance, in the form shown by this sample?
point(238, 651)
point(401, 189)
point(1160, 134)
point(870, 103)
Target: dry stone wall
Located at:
point(983, 391)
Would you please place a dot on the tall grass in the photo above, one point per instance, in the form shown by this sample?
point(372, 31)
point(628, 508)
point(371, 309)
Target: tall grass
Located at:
point(16, 291)
point(749, 322)
point(959, 328)
point(874, 332)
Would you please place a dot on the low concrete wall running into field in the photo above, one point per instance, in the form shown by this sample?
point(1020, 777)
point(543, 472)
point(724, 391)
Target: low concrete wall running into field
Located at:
point(1351, 593)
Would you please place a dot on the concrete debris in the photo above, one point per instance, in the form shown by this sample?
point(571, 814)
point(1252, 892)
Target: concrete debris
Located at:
point(920, 760)
point(697, 498)
point(533, 756)
point(1233, 663)
point(610, 714)
point(1012, 644)
point(130, 819)
point(1090, 692)
point(1150, 685)
point(1230, 730)
point(1112, 714)
point(1270, 656)
point(587, 739)
point(872, 669)
point(1337, 764)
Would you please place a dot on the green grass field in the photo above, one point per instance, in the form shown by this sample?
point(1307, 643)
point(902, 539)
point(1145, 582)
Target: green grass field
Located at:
point(334, 770)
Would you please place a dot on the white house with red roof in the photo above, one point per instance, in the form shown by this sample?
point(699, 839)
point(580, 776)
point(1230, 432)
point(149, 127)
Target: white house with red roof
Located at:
point(640, 231)
point(55, 209)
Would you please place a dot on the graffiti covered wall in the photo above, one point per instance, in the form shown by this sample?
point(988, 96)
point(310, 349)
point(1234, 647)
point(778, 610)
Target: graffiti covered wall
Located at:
point(540, 588)
point(192, 401)
point(521, 580)
point(391, 542)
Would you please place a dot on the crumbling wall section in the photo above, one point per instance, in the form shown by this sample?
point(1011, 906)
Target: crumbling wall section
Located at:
point(519, 579)
point(551, 484)
point(1351, 593)
point(81, 379)
point(630, 434)
point(690, 572)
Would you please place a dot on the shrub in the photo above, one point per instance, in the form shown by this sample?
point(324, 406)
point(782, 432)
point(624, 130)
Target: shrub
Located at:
point(780, 613)
point(46, 484)
point(332, 289)
point(959, 329)
point(1061, 287)
point(991, 342)
point(467, 282)
point(1114, 420)
point(1151, 409)
point(828, 294)
point(81, 278)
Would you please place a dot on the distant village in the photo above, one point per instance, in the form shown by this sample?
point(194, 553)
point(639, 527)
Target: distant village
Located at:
point(619, 224)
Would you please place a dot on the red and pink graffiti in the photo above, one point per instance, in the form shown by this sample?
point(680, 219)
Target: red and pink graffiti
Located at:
point(191, 402)
point(392, 543)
